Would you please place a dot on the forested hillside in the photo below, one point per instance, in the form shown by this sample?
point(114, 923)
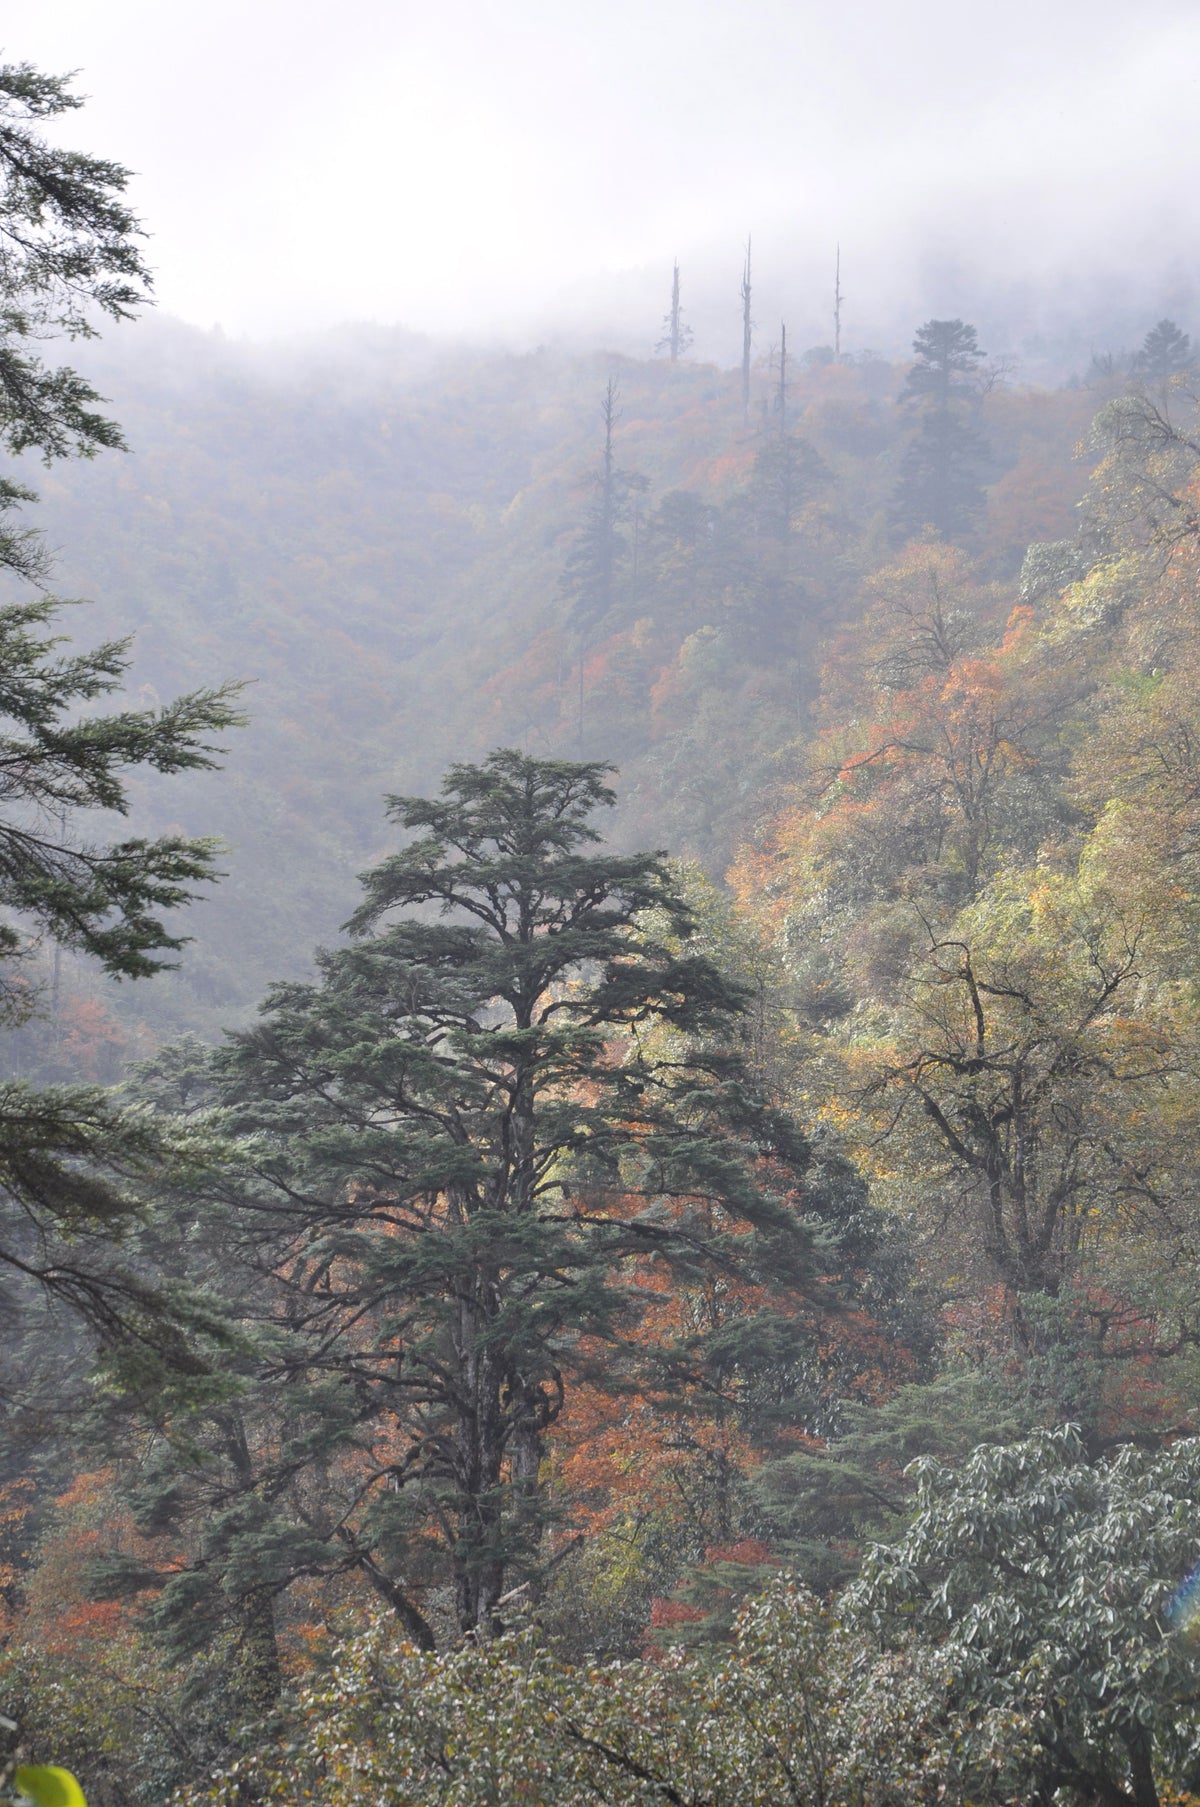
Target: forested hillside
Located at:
point(394, 546)
point(647, 1249)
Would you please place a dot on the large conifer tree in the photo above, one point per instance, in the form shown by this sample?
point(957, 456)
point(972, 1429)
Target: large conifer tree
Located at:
point(510, 1093)
point(939, 485)
point(69, 257)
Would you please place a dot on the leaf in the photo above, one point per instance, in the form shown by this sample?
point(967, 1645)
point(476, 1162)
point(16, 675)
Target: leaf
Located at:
point(48, 1786)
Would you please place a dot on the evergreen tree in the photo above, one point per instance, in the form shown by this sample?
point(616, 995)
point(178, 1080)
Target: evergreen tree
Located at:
point(1166, 352)
point(68, 252)
point(58, 763)
point(498, 1112)
point(74, 1165)
point(939, 484)
point(782, 564)
point(946, 364)
point(788, 473)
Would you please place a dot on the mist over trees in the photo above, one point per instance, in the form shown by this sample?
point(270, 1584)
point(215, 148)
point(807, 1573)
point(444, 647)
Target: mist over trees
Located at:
point(662, 1265)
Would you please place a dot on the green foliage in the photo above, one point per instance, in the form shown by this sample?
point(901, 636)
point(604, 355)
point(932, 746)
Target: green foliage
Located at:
point(1166, 353)
point(469, 1138)
point(795, 1711)
point(69, 1159)
point(75, 1168)
point(947, 356)
point(1013, 1646)
point(939, 486)
point(787, 474)
point(112, 1710)
point(823, 1506)
point(1042, 1583)
point(68, 251)
point(56, 764)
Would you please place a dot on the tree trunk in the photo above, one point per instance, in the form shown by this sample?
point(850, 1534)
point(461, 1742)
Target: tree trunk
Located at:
point(479, 1532)
point(747, 337)
point(259, 1680)
point(1141, 1774)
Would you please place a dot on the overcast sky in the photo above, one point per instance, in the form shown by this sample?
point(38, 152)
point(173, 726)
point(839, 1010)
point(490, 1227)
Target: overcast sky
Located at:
point(498, 165)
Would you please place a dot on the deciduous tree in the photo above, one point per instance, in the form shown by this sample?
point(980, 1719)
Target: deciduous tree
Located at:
point(1041, 1584)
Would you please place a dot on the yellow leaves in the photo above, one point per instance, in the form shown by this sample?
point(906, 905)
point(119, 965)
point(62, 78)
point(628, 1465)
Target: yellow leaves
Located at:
point(1131, 864)
point(985, 889)
point(1094, 603)
point(47, 1786)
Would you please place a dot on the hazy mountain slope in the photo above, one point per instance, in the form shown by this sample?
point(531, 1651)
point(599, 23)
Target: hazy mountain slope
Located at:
point(372, 533)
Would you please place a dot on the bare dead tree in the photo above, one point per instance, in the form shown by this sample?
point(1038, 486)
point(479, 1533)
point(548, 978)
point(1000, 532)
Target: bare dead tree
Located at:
point(677, 337)
point(781, 392)
point(747, 337)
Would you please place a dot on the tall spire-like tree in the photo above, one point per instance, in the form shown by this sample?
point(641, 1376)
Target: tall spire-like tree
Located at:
point(677, 335)
point(747, 336)
point(782, 387)
point(599, 565)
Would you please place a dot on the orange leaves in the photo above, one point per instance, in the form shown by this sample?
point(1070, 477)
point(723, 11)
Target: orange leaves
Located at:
point(1017, 629)
point(61, 1615)
point(16, 1501)
point(86, 1492)
point(937, 708)
point(745, 1550)
point(665, 1614)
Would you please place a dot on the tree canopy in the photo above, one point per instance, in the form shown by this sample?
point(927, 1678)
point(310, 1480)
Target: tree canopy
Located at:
point(69, 254)
point(485, 1275)
point(482, 1139)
